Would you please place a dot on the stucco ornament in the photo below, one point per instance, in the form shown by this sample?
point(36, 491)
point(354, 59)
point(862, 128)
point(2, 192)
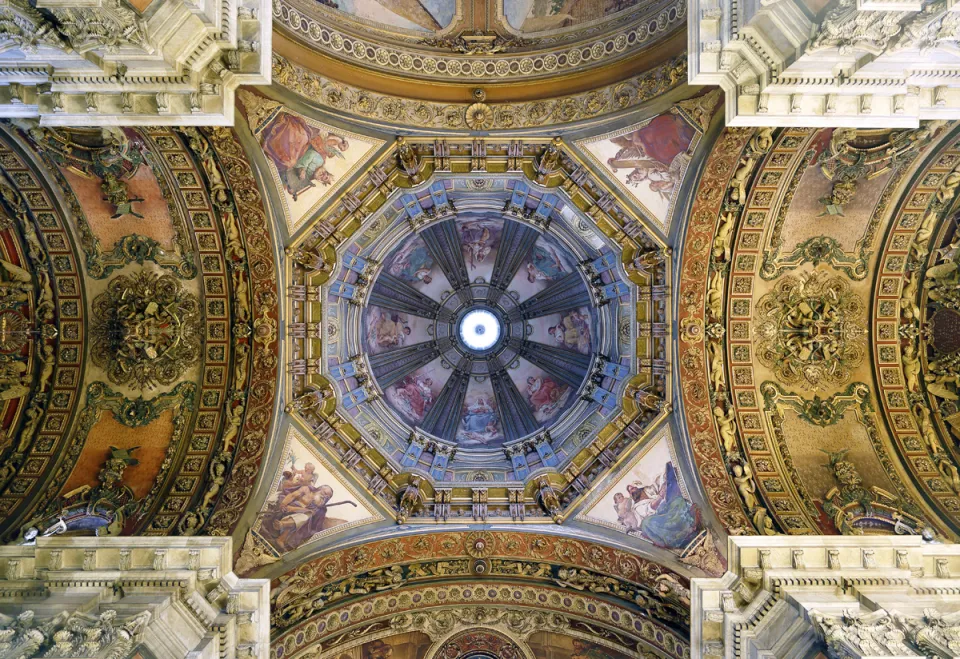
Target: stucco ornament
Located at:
point(810, 330)
point(146, 330)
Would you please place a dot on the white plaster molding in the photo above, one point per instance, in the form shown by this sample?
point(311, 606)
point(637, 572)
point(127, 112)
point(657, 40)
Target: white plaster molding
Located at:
point(175, 596)
point(869, 63)
point(179, 63)
point(784, 596)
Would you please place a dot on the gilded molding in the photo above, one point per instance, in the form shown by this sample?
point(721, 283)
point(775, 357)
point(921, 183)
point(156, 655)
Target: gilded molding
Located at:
point(255, 291)
point(450, 607)
point(417, 62)
point(712, 432)
point(855, 167)
point(910, 284)
point(37, 220)
point(57, 148)
point(341, 97)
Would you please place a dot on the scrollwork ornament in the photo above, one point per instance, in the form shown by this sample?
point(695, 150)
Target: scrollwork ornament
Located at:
point(146, 330)
point(810, 330)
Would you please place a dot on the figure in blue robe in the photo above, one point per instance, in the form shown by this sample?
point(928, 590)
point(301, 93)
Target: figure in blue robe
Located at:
point(544, 265)
point(674, 525)
point(300, 176)
point(413, 264)
point(478, 417)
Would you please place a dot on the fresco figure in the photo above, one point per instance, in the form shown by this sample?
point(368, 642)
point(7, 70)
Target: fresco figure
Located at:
point(413, 263)
point(573, 332)
point(420, 15)
point(412, 396)
point(298, 509)
point(656, 153)
point(544, 265)
point(387, 329)
point(554, 14)
point(546, 396)
point(300, 152)
point(477, 242)
point(377, 650)
point(480, 424)
point(658, 511)
point(587, 650)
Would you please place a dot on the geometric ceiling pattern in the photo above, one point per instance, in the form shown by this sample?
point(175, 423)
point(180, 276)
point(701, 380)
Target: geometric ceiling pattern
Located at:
point(478, 332)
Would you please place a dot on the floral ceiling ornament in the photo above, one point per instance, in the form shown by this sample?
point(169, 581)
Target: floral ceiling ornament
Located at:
point(479, 116)
point(146, 330)
point(810, 330)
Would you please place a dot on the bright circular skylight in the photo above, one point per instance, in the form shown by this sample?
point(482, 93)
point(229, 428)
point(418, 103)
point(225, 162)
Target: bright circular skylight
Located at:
point(479, 329)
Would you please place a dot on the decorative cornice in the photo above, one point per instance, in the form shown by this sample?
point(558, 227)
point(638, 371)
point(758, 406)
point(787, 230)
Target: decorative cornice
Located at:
point(416, 62)
point(342, 97)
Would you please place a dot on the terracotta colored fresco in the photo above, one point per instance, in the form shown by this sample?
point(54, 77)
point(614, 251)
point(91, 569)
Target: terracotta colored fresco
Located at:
point(307, 501)
point(155, 223)
point(147, 445)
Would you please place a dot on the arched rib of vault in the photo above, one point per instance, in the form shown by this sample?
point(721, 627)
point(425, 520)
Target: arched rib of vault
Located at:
point(344, 579)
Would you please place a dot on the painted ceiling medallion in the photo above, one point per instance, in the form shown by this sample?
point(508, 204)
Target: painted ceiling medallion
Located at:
point(146, 330)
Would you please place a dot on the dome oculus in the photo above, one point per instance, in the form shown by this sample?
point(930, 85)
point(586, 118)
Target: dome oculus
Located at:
point(479, 330)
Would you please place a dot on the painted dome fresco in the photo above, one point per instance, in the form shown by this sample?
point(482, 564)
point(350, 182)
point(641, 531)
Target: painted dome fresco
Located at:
point(478, 319)
point(479, 332)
